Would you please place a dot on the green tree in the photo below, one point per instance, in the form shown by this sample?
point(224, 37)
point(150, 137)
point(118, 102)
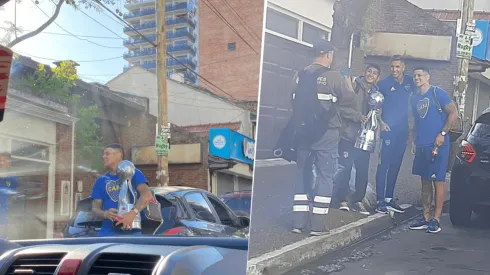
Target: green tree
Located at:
point(56, 83)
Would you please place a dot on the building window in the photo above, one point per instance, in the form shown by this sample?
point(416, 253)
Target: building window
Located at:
point(294, 28)
point(312, 33)
point(282, 23)
point(231, 46)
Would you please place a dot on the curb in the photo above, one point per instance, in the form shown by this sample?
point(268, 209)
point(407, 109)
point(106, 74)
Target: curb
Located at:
point(309, 249)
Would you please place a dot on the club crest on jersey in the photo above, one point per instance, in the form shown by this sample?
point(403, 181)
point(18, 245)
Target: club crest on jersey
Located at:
point(387, 142)
point(112, 189)
point(423, 107)
point(407, 87)
point(8, 183)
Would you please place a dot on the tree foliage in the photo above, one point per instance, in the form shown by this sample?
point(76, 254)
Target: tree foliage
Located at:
point(56, 84)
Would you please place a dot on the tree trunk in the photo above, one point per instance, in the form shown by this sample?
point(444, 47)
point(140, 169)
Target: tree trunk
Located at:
point(40, 29)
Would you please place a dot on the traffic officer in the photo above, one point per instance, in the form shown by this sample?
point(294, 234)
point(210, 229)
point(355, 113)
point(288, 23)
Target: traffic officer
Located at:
point(322, 154)
point(397, 89)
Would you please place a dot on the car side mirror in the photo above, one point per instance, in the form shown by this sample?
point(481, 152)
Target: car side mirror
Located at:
point(243, 222)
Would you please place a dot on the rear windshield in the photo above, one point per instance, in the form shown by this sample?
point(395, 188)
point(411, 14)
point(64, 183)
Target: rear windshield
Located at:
point(239, 204)
point(481, 130)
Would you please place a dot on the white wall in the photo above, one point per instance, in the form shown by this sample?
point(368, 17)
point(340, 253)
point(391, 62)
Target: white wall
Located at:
point(23, 126)
point(187, 105)
point(316, 10)
point(480, 5)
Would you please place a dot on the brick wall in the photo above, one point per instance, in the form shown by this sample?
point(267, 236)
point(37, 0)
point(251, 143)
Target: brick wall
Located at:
point(63, 165)
point(235, 72)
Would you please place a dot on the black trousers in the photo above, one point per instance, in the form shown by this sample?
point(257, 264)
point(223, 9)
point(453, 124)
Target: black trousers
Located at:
point(349, 156)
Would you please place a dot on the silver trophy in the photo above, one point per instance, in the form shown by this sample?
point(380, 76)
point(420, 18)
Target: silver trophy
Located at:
point(366, 138)
point(125, 171)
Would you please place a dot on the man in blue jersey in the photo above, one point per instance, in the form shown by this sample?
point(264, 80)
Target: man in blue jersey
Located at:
point(434, 113)
point(8, 184)
point(105, 195)
point(396, 89)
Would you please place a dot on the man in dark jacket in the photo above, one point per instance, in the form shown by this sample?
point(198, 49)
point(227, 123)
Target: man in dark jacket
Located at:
point(322, 155)
point(353, 117)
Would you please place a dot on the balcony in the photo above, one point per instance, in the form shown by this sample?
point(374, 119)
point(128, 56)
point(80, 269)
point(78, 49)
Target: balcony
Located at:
point(145, 52)
point(149, 65)
point(182, 48)
point(179, 7)
point(181, 61)
point(149, 25)
point(181, 34)
point(145, 12)
point(134, 41)
point(182, 20)
point(190, 77)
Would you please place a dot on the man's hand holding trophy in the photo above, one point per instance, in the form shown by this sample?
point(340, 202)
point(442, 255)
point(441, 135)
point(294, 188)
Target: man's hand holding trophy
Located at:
point(127, 217)
point(366, 139)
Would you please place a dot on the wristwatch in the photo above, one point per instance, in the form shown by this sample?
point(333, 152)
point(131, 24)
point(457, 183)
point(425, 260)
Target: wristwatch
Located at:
point(135, 210)
point(443, 133)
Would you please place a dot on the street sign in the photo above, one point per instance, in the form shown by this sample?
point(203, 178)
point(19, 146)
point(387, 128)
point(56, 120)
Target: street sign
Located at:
point(464, 47)
point(161, 146)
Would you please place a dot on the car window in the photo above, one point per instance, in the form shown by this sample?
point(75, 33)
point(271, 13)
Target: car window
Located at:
point(200, 206)
point(83, 217)
point(222, 212)
point(239, 204)
point(481, 130)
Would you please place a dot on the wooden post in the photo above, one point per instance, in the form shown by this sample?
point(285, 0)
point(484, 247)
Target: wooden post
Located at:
point(162, 173)
point(461, 81)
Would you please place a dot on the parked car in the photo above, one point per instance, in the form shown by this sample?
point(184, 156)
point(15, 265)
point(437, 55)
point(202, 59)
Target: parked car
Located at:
point(470, 175)
point(239, 201)
point(186, 212)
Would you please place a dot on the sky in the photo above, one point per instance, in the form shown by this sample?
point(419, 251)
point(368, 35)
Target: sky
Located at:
point(55, 43)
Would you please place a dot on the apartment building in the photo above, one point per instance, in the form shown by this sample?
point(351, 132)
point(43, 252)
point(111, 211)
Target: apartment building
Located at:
point(181, 20)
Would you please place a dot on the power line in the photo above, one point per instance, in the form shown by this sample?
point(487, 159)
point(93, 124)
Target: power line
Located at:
point(220, 16)
point(72, 33)
point(78, 61)
point(79, 35)
point(154, 45)
point(242, 22)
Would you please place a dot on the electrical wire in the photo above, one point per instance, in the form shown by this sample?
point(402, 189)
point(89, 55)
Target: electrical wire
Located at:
point(47, 15)
point(171, 56)
point(78, 61)
point(242, 22)
point(220, 16)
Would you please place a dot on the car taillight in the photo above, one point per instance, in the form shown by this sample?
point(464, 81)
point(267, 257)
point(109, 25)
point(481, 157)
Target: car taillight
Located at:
point(468, 153)
point(69, 267)
point(178, 231)
point(59, 235)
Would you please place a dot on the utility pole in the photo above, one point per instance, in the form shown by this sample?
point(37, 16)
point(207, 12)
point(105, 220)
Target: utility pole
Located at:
point(163, 135)
point(461, 81)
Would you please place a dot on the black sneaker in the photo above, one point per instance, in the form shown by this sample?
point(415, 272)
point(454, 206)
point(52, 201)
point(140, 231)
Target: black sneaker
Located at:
point(393, 206)
point(359, 207)
point(381, 207)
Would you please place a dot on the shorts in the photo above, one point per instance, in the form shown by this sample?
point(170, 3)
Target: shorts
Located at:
point(425, 168)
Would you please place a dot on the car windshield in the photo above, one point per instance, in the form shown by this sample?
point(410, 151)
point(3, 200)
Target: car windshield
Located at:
point(481, 130)
point(96, 118)
point(239, 204)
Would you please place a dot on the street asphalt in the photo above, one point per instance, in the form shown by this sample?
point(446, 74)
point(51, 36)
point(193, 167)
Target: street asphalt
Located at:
point(401, 251)
point(272, 202)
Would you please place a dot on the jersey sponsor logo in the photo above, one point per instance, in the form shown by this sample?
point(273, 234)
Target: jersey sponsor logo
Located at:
point(423, 107)
point(346, 154)
point(112, 188)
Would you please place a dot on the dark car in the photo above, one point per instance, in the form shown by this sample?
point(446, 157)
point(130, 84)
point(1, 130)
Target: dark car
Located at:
point(186, 212)
point(470, 175)
point(239, 201)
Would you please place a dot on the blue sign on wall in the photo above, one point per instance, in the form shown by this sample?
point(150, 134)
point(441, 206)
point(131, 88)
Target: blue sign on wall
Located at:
point(480, 41)
point(228, 144)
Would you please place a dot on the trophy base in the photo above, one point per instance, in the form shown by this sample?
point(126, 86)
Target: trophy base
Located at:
point(123, 210)
point(366, 141)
